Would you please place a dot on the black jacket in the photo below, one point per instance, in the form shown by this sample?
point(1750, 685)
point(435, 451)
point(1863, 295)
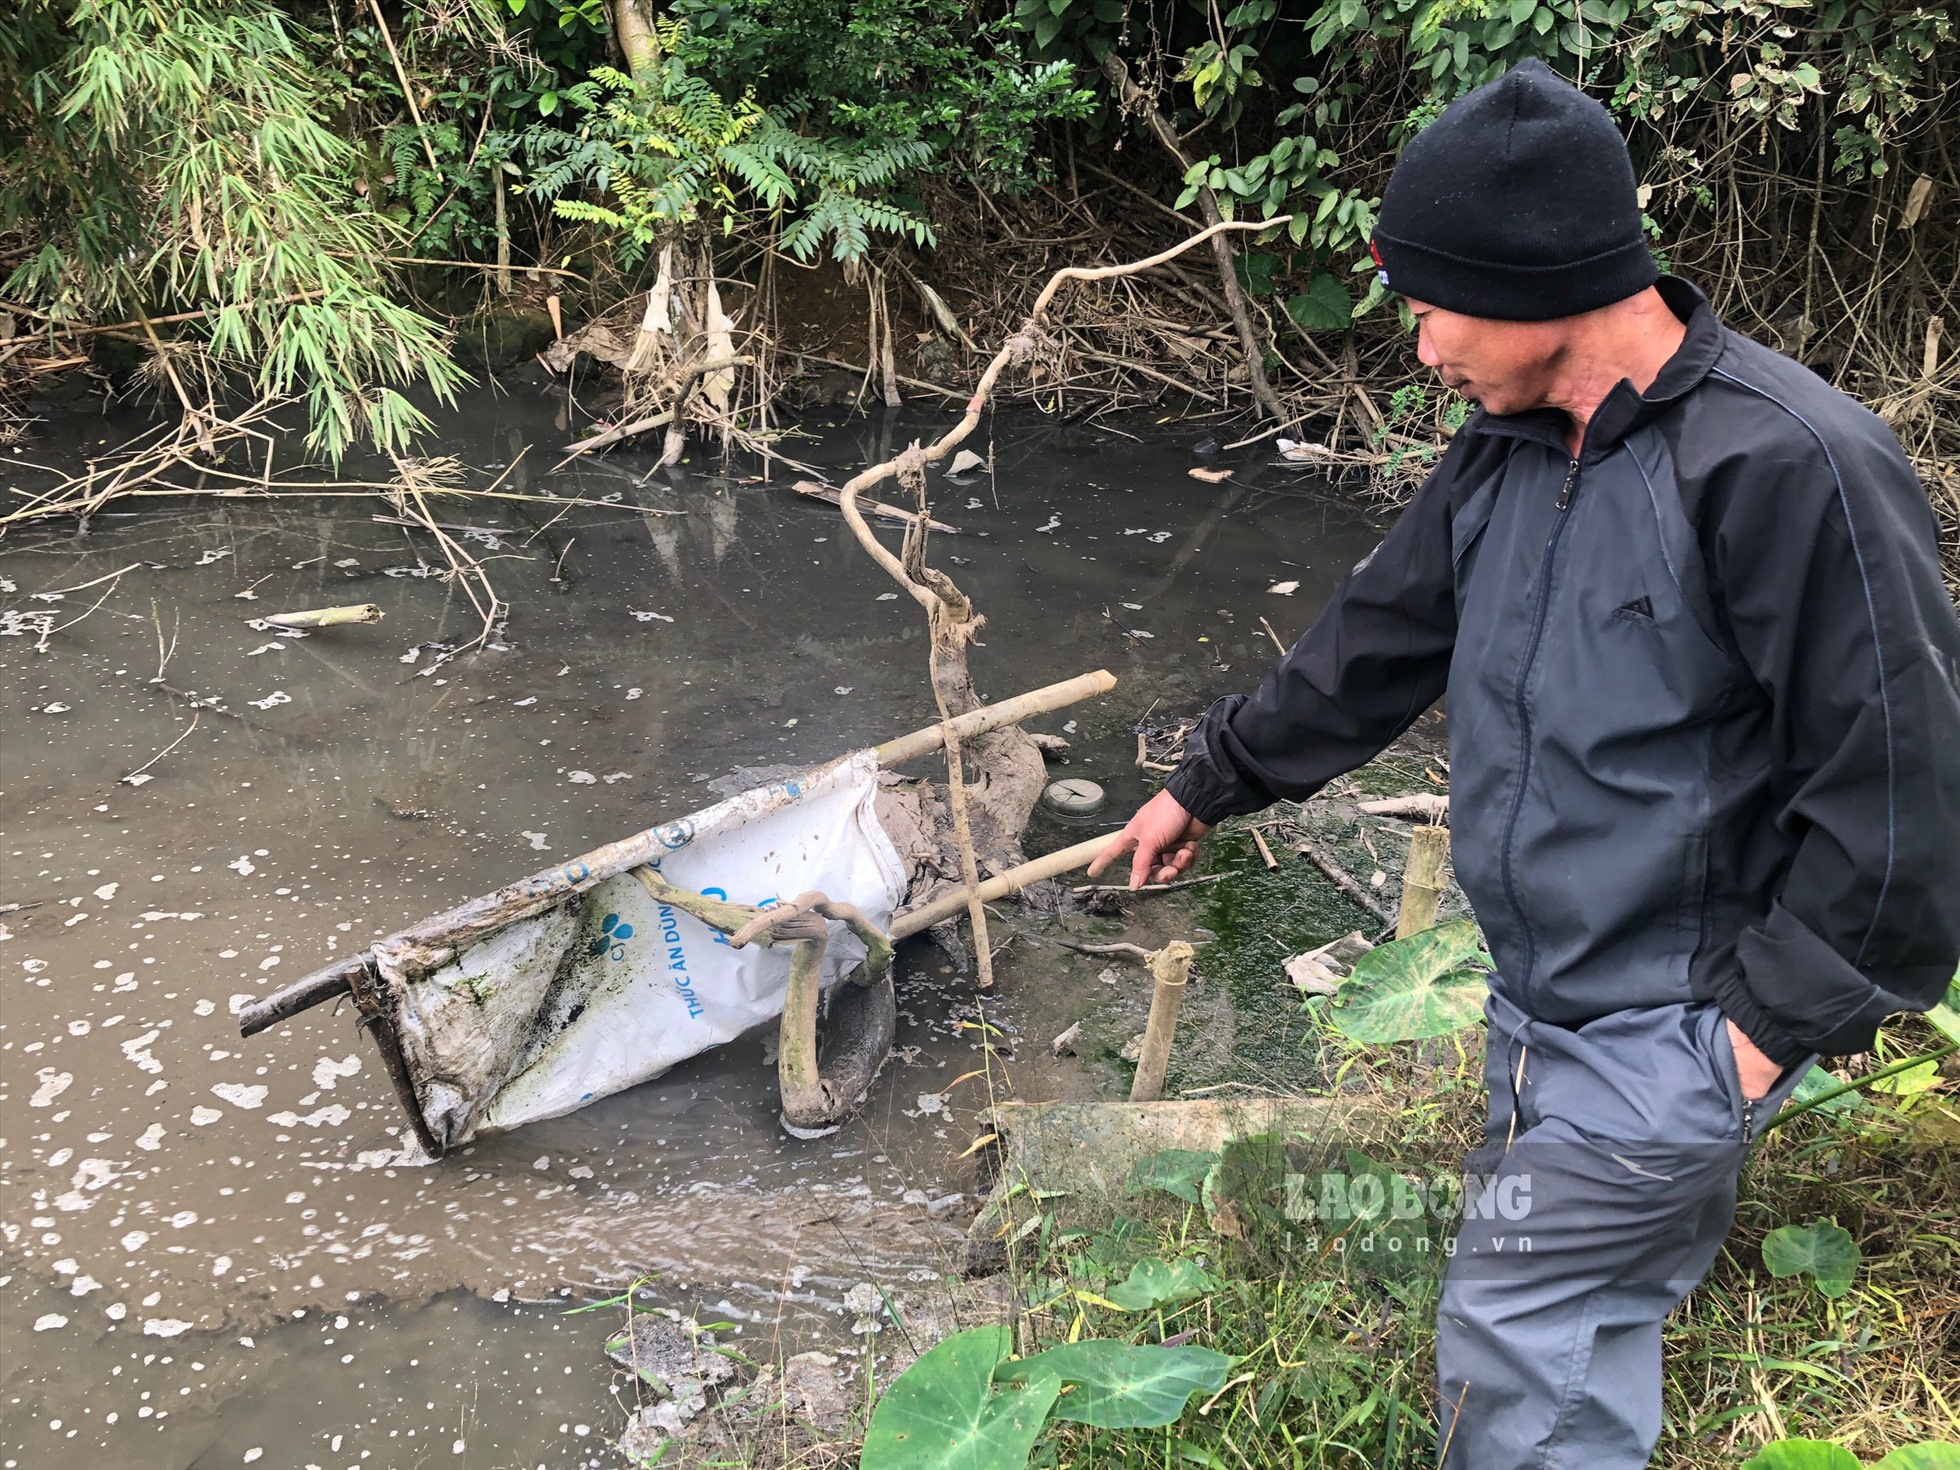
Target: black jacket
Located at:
point(1704, 726)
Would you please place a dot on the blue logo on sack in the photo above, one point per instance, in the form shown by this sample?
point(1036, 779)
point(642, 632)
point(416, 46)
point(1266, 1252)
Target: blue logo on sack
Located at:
point(612, 938)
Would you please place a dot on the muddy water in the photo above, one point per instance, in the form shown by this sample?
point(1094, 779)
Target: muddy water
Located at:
point(212, 1246)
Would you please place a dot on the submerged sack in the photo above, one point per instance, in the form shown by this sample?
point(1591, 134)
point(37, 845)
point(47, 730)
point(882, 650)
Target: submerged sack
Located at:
point(611, 987)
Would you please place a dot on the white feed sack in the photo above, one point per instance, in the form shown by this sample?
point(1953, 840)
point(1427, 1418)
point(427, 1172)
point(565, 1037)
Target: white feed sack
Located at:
point(611, 989)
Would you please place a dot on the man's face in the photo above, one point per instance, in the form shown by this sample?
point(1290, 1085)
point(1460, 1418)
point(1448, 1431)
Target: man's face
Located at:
point(1506, 366)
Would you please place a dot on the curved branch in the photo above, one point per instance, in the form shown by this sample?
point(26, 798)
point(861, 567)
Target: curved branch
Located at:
point(1018, 347)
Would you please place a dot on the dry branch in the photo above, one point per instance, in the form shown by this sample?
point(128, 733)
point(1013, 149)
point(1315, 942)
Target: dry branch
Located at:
point(1010, 762)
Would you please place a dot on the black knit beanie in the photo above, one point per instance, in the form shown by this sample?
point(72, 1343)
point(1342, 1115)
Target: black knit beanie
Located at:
point(1517, 203)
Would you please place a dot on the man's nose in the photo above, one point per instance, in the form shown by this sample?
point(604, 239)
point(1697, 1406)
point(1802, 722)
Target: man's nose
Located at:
point(1425, 349)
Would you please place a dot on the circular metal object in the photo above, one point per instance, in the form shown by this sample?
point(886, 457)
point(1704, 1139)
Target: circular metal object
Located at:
point(1075, 796)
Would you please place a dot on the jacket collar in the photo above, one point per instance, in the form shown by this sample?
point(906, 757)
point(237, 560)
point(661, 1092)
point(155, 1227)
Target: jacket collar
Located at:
point(1623, 410)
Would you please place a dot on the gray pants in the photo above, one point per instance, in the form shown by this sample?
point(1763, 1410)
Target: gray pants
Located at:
point(1609, 1180)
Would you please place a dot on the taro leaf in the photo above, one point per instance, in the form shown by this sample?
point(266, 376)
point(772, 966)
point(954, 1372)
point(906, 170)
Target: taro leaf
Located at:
point(1155, 1283)
point(1428, 984)
point(1245, 1192)
point(1802, 1454)
point(1178, 1171)
point(943, 1412)
point(1946, 1015)
point(1116, 1385)
point(1367, 1206)
point(1815, 1083)
point(1930, 1455)
point(1324, 306)
point(1822, 1248)
point(1911, 1082)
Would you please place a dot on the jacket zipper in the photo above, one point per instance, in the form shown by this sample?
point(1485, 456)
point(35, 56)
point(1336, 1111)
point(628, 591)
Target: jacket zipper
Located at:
point(1564, 504)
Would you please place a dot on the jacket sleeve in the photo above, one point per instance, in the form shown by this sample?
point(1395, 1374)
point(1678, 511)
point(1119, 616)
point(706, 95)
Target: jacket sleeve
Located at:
point(1830, 579)
point(1375, 659)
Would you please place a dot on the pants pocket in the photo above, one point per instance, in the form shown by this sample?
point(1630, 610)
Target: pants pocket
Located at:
point(1721, 1057)
point(1751, 1117)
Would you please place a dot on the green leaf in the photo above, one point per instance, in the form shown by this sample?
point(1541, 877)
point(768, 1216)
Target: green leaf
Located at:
point(1429, 984)
point(1802, 1454)
point(1155, 1283)
point(1176, 1171)
point(1929, 1455)
point(1946, 1015)
point(1325, 305)
point(547, 103)
point(1910, 1082)
point(1815, 1083)
point(1046, 29)
point(1822, 1248)
point(943, 1412)
point(1117, 1385)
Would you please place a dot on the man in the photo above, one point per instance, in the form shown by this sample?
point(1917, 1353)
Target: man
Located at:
point(1686, 604)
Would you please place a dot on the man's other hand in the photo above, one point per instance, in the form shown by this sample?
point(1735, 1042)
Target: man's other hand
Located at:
point(1165, 837)
point(1756, 1072)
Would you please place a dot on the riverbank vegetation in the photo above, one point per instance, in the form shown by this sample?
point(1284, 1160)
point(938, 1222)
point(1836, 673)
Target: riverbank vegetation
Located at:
point(1826, 1315)
point(1268, 1302)
point(303, 200)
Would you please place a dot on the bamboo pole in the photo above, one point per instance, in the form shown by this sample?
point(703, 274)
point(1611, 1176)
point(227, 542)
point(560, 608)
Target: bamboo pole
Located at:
point(1170, 967)
point(408, 88)
point(993, 716)
point(1422, 880)
point(914, 921)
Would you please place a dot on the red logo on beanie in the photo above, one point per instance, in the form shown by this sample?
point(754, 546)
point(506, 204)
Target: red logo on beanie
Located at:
point(1381, 270)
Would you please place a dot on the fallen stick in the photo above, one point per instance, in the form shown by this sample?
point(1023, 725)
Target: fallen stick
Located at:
point(877, 507)
point(618, 432)
point(1121, 946)
point(1088, 888)
point(851, 367)
point(1265, 852)
point(1423, 806)
point(1343, 882)
point(325, 617)
point(695, 372)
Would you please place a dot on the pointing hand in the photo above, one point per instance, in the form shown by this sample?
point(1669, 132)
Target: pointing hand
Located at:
point(1165, 837)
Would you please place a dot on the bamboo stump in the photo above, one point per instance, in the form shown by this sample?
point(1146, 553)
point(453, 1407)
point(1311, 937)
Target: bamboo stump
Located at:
point(1422, 880)
point(1170, 967)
